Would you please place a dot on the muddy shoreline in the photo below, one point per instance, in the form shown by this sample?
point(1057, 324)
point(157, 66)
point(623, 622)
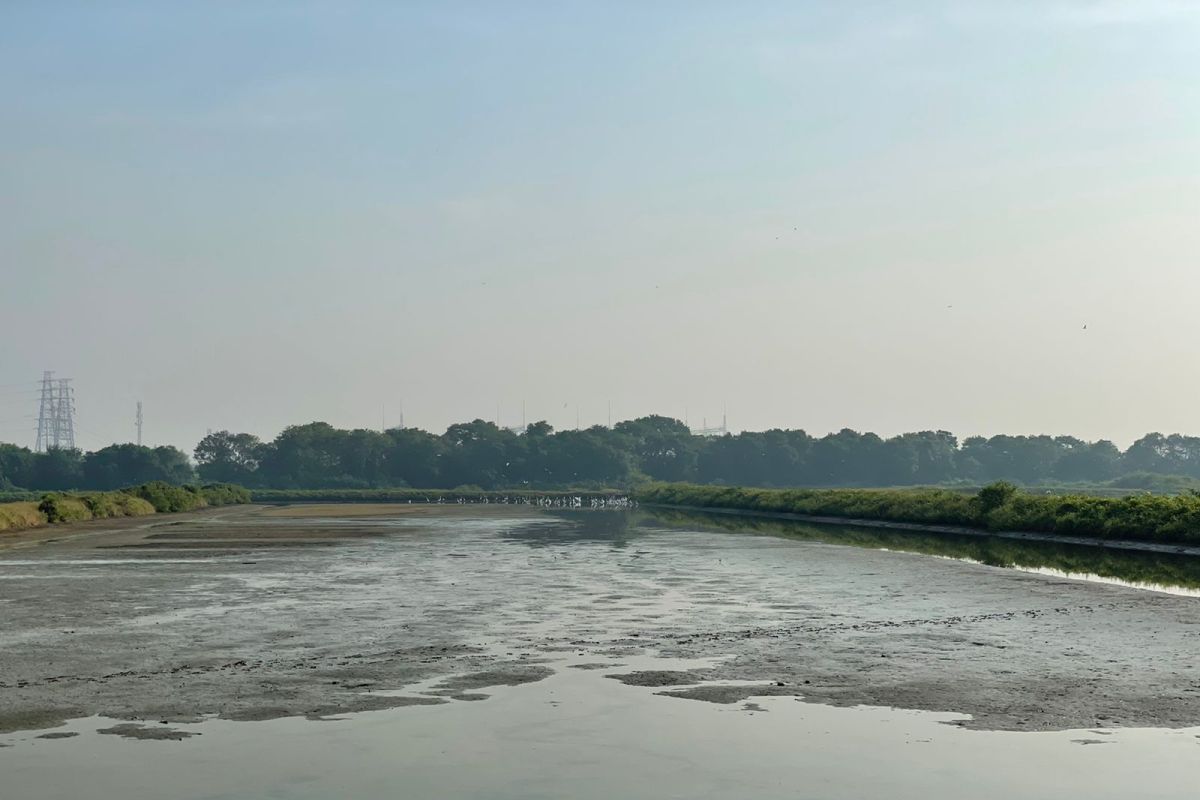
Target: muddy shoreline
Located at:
point(255, 614)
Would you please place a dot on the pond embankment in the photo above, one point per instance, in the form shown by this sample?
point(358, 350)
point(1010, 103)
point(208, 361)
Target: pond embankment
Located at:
point(1157, 523)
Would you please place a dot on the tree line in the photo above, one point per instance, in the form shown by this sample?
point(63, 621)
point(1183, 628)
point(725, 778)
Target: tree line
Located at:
point(109, 468)
point(480, 454)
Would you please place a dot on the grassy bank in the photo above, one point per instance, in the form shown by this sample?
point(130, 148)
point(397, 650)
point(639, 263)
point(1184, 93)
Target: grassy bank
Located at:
point(518, 497)
point(20, 515)
point(998, 507)
point(135, 501)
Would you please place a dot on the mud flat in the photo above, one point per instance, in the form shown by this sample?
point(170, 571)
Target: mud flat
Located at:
point(260, 613)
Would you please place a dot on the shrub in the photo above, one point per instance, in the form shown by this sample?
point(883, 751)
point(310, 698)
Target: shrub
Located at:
point(101, 505)
point(168, 499)
point(20, 515)
point(64, 508)
point(224, 494)
point(137, 501)
point(995, 495)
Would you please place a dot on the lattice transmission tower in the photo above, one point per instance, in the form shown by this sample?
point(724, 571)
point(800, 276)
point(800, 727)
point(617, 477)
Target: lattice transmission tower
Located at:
point(56, 415)
point(713, 431)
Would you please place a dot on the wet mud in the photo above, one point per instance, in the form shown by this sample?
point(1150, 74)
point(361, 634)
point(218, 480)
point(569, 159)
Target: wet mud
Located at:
point(130, 730)
point(655, 678)
point(257, 614)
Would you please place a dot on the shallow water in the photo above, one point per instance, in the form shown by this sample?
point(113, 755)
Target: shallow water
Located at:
point(579, 734)
point(1152, 571)
point(434, 600)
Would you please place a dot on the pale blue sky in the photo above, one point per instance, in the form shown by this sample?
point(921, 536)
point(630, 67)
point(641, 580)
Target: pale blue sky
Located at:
point(887, 216)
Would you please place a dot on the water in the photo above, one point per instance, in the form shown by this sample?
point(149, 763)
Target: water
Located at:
point(845, 617)
point(580, 735)
point(1163, 572)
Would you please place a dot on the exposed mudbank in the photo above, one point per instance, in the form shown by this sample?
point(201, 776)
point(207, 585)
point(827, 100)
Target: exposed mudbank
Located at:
point(593, 666)
point(655, 678)
point(368, 703)
point(733, 694)
point(513, 675)
point(133, 730)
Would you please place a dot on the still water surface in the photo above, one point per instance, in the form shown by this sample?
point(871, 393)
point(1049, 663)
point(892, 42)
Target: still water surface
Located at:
point(1162, 572)
point(580, 735)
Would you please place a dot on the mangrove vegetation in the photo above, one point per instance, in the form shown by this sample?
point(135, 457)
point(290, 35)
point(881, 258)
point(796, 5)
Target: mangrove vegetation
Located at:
point(997, 507)
point(133, 501)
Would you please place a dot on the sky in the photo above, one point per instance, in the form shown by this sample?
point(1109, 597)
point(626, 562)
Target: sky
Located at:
point(964, 215)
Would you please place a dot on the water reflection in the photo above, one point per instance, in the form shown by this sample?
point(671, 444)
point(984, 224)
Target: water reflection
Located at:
point(611, 528)
point(583, 736)
point(1178, 574)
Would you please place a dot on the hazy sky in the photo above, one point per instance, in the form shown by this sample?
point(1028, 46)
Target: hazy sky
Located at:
point(887, 216)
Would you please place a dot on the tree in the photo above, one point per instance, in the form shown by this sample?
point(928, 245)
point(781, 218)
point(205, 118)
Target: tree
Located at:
point(412, 457)
point(16, 466)
point(127, 464)
point(530, 457)
point(225, 457)
point(477, 454)
point(1175, 455)
point(663, 448)
point(1086, 461)
point(845, 458)
point(771, 458)
point(361, 454)
point(1029, 459)
point(590, 457)
point(56, 470)
point(303, 457)
point(936, 452)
